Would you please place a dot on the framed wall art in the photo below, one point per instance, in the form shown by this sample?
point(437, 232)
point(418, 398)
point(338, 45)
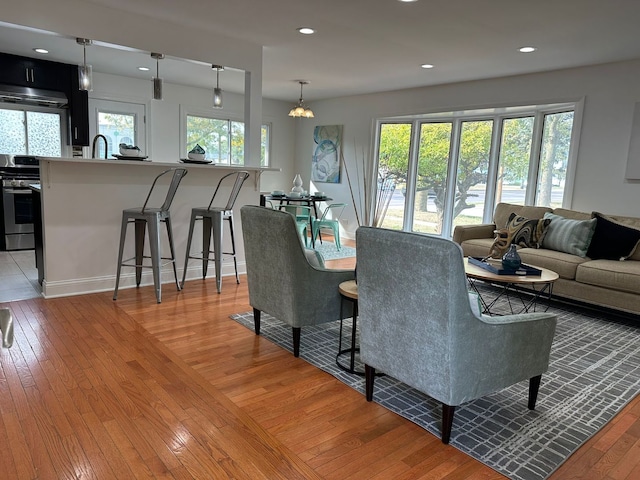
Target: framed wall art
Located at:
point(325, 162)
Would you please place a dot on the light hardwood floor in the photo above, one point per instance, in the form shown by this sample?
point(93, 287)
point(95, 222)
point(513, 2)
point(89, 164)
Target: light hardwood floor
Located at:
point(94, 388)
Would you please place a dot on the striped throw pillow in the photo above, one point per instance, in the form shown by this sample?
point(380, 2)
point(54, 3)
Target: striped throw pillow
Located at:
point(568, 235)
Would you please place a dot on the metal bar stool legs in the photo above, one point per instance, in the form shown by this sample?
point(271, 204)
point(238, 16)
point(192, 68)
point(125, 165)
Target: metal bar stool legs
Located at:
point(141, 226)
point(233, 248)
point(140, 229)
point(212, 225)
point(154, 246)
point(192, 223)
point(167, 223)
point(207, 226)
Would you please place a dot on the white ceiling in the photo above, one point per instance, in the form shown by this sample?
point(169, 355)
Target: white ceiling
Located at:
point(367, 46)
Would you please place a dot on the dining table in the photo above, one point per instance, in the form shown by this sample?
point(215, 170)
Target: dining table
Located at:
point(286, 199)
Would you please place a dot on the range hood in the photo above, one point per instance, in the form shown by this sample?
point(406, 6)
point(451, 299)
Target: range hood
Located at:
point(32, 96)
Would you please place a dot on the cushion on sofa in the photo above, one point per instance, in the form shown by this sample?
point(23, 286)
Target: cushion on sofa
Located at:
point(568, 235)
point(526, 232)
point(564, 264)
point(611, 274)
point(612, 240)
point(476, 247)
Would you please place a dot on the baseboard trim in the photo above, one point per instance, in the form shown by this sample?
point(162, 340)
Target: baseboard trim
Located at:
point(84, 286)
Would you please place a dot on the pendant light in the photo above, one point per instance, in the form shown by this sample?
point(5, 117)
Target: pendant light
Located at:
point(85, 72)
point(217, 91)
point(299, 110)
point(157, 81)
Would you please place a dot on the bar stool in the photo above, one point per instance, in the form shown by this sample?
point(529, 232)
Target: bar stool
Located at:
point(150, 217)
point(212, 221)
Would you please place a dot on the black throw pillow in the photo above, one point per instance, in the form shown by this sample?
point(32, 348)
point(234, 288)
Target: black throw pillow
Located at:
point(612, 240)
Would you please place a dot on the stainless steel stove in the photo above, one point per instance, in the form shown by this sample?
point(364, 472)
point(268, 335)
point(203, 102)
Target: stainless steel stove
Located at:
point(17, 172)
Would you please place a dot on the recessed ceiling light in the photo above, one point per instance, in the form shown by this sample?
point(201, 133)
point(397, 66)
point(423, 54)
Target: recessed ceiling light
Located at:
point(143, 69)
point(424, 65)
point(41, 50)
point(306, 30)
point(407, 1)
point(528, 49)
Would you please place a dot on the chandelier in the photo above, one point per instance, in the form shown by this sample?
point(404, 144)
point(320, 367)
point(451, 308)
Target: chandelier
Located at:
point(299, 109)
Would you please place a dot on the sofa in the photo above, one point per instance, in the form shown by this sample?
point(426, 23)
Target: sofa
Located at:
point(596, 256)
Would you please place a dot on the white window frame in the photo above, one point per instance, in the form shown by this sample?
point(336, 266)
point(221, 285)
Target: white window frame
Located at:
point(119, 107)
point(186, 111)
point(498, 115)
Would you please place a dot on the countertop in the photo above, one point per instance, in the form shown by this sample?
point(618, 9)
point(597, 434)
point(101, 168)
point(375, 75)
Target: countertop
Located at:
point(149, 162)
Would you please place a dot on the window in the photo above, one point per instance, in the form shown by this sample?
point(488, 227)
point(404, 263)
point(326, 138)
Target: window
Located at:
point(223, 140)
point(452, 169)
point(30, 132)
point(119, 122)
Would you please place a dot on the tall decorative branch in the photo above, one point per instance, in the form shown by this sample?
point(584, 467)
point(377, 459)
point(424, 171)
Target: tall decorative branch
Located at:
point(367, 213)
point(346, 169)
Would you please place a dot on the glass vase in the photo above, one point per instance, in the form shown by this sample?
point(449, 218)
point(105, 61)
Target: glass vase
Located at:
point(511, 260)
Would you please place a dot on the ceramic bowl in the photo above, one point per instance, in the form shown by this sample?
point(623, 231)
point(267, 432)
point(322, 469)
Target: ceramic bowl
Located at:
point(277, 192)
point(130, 152)
point(195, 156)
point(294, 194)
point(319, 194)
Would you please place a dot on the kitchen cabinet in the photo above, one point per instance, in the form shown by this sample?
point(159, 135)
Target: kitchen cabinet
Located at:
point(35, 73)
point(46, 75)
point(78, 114)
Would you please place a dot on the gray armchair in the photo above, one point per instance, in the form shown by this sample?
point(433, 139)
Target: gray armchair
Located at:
point(418, 325)
point(286, 280)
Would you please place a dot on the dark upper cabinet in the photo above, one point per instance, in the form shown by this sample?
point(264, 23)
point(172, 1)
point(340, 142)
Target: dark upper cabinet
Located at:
point(79, 114)
point(36, 73)
point(47, 75)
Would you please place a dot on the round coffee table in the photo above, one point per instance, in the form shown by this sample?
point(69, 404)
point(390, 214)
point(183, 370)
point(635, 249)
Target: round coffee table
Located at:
point(538, 286)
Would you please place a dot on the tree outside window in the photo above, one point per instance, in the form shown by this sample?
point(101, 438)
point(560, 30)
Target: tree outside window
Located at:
point(474, 175)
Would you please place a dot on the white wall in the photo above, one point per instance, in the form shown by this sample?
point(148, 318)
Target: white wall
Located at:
point(610, 92)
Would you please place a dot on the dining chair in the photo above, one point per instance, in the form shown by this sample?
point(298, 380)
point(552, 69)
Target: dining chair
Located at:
point(212, 222)
point(330, 219)
point(149, 218)
point(303, 218)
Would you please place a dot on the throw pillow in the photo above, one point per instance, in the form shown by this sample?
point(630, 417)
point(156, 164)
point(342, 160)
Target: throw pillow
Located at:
point(526, 232)
point(612, 240)
point(568, 235)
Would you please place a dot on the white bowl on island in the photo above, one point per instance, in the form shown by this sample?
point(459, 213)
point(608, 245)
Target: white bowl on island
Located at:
point(129, 150)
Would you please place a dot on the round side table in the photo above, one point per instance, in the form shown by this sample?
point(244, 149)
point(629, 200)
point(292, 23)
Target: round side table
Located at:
point(349, 292)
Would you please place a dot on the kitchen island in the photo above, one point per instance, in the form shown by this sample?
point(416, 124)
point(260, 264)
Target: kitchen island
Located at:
point(82, 202)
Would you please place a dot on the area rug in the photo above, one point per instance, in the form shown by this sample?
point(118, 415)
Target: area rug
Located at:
point(329, 250)
point(594, 373)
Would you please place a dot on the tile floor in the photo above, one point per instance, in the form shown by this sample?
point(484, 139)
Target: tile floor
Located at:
point(18, 276)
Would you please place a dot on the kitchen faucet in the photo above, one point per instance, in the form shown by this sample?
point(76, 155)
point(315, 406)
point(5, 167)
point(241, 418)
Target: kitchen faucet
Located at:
point(95, 141)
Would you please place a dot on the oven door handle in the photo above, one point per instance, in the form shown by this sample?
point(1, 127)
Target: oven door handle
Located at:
point(14, 191)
